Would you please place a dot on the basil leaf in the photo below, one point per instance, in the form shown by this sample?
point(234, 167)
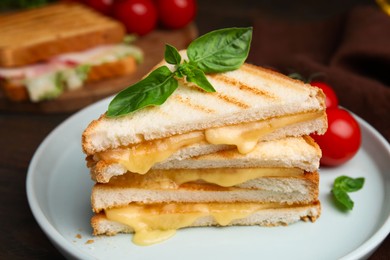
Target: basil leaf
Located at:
point(199, 78)
point(344, 184)
point(220, 50)
point(152, 90)
point(194, 75)
point(172, 56)
point(343, 198)
point(348, 184)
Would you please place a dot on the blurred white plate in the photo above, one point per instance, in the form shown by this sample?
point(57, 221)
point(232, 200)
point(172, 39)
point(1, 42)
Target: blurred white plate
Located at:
point(59, 187)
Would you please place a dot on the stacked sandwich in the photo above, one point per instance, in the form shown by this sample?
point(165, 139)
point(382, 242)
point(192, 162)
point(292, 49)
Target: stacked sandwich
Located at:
point(59, 47)
point(237, 156)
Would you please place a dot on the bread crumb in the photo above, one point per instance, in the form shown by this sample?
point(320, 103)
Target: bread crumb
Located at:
point(78, 236)
point(90, 241)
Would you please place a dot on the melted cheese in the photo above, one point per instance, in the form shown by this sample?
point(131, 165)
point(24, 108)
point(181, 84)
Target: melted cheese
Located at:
point(157, 222)
point(225, 177)
point(140, 158)
point(228, 177)
point(246, 136)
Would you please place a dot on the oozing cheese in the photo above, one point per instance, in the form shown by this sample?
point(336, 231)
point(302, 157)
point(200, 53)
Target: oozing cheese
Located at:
point(157, 222)
point(140, 158)
point(228, 177)
point(246, 136)
point(225, 177)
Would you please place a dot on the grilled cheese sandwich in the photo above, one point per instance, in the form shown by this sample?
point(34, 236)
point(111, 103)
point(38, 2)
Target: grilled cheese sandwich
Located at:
point(222, 188)
point(141, 157)
point(157, 222)
point(237, 156)
point(193, 123)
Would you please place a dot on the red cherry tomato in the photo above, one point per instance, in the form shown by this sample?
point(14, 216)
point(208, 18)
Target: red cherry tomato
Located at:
point(342, 139)
point(102, 6)
point(175, 14)
point(331, 100)
point(139, 16)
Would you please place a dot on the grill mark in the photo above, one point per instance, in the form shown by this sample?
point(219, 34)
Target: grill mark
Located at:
point(230, 100)
point(275, 77)
point(244, 87)
point(69, 27)
point(255, 70)
point(66, 15)
point(45, 22)
point(194, 106)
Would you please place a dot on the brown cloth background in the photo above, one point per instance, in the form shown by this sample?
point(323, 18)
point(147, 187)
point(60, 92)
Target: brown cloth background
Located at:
point(352, 50)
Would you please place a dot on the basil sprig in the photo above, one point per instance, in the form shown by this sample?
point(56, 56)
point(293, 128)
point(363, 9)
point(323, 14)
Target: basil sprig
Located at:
point(221, 50)
point(344, 184)
point(218, 51)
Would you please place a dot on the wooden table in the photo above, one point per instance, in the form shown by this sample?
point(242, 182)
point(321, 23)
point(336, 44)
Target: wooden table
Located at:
point(21, 133)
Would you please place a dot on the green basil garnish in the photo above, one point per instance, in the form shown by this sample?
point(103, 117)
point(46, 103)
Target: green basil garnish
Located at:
point(152, 90)
point(218, 51)
point(198, 77)
point(172, 56)
point(221, 50)
point(344, 184)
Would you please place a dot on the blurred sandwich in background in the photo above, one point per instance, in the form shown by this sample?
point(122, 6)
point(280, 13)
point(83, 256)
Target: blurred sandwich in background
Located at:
point(59, 47)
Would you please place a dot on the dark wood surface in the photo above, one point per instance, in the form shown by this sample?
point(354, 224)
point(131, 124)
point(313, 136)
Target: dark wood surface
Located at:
point(22, 131)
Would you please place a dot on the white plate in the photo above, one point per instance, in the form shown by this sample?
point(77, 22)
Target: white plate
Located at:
point(59, 186)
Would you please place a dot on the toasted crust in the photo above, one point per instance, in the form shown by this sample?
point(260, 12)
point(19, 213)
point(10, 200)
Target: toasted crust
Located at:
point(248, 94)
point(128, 65)
point(13, 91)
point(102, 171)
point(118, 68)
point(289, 190)
point(290, 152)
point(52, 30)
point(267, 217)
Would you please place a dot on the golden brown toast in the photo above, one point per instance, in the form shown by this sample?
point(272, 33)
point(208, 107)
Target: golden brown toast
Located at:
point(13, 91)
point(268, 215)
point(123, 190)
point(38, 34)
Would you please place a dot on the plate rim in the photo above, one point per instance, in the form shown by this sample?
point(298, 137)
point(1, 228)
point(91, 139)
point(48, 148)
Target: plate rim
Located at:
point(370, 245)
point(66, 248)
point(58, 240)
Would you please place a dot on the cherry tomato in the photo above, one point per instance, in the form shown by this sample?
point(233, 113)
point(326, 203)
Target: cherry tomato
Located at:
point(102, 6)
point(331, 100)
point(139, 16)
point(175, 14)
point(342, 139)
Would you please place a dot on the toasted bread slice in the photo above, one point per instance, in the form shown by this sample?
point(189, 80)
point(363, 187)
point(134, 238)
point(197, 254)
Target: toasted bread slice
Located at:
point(249, 94)
point(40, 33)
point(14, 91)
point(290, 152)
point(268, 216)
point(158, 188)
point(117, 68)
